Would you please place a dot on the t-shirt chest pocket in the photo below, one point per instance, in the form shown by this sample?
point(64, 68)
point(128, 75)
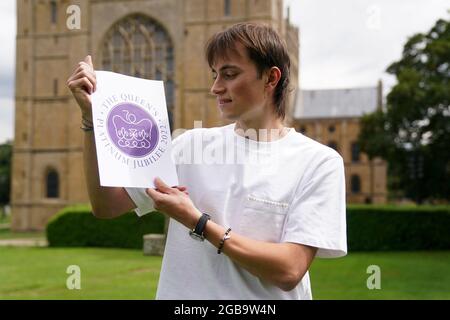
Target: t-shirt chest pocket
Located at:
point(263, 219)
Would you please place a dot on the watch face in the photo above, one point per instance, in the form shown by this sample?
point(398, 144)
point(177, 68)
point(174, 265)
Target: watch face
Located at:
point(196, 236)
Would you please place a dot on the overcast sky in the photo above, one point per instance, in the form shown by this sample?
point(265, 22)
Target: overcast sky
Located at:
point(343, 43)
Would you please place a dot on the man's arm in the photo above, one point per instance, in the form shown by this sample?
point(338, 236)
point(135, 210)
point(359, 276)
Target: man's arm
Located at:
point(282, 264)
point(107, 202)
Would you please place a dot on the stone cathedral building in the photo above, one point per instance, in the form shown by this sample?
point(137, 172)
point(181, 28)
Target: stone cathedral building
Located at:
point(154, 39)
point(332, 117)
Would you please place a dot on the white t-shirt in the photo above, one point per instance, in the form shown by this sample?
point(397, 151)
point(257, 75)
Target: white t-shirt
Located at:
point(288, 190)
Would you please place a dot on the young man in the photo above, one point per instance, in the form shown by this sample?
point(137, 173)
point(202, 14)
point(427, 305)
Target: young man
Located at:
point(262, 221)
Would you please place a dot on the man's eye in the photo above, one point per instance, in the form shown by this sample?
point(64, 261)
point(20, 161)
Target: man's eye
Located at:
point(225, 76)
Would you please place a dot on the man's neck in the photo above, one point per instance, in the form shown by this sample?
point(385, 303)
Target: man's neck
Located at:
point(264, 130)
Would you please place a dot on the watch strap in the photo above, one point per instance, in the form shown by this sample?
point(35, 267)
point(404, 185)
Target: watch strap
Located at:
point(200, 227)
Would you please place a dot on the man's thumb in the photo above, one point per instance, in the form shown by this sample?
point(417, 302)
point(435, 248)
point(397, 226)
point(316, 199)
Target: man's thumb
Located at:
point(88, 60)
point(161, 186)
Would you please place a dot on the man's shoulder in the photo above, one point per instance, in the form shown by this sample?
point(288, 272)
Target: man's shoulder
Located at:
point(309, 147)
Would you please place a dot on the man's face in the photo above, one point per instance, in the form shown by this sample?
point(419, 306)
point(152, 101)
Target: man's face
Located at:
point(238, 87)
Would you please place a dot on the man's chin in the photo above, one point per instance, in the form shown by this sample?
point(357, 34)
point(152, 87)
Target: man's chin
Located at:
point(229, 116)
point(248, 115)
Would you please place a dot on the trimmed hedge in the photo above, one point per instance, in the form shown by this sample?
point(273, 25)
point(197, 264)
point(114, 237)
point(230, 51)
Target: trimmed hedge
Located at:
point(78, 227)
point(390, 228)
point(369, 228)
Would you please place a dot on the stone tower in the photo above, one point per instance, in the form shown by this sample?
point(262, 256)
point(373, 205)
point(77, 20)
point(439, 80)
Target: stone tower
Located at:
point(158, 39)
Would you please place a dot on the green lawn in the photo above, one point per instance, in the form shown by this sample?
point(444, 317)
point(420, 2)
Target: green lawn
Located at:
point(404, 275)
point(7, 234)
point(40, 273)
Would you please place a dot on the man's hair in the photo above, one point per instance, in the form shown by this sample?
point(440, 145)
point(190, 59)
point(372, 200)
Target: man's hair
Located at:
point(264, 47)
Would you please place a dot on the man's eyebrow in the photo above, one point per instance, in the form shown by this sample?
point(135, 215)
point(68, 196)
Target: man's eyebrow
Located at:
point(225, 67)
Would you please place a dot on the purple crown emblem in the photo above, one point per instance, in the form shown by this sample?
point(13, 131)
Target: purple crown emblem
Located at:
point(132, 130)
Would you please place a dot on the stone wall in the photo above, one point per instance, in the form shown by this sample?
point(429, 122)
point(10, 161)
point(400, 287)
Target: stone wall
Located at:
point(47, 128)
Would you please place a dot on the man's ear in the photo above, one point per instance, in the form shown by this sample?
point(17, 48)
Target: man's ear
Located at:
point(273, 76)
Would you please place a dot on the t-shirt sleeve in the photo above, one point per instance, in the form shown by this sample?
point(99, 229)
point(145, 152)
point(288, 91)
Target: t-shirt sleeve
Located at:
point(144, 203)
point(317, 216)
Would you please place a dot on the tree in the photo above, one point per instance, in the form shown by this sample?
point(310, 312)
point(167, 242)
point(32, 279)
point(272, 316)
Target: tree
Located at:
point(413, 133)
point(5, 172)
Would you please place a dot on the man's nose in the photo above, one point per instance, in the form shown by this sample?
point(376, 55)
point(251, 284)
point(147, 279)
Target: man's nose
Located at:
point(217, 88)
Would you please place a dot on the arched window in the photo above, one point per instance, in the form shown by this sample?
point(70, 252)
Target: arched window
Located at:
point(55, 87)
point(355, 184)
point(227, 8)
point(333, 145)
point(53, 11)
point(52, 184)
point(355, 152)
point(140, 47)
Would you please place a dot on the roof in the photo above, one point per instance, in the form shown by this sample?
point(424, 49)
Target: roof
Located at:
point(335, 103)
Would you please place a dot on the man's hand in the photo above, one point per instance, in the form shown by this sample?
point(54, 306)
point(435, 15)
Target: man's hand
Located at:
point(175, 202)
point(83, 83)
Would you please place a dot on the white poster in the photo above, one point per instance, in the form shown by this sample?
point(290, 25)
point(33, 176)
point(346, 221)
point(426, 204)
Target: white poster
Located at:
point(132, 132)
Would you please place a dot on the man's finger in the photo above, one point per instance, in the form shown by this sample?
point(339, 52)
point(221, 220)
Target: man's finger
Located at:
point(81, 84)
point(89, 75)
point(88, 60)
point(155, 195)
point(161, 186)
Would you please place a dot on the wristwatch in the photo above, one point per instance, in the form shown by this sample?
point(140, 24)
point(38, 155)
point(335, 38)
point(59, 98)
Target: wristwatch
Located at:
point(197, 232)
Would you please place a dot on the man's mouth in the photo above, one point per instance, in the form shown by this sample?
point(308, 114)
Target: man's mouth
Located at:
point(223, 101)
